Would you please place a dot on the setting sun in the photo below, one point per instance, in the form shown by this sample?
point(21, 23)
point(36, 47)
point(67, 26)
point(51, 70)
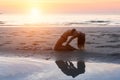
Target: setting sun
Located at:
point(34, 15)
point(35, 12)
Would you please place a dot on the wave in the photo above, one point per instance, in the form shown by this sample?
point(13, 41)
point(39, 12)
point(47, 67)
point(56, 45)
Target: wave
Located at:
point(94, 22)
point(2, 22)
point(98, 22)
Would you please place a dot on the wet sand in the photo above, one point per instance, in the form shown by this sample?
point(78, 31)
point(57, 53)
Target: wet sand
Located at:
point(99, 40)
point(21, 68)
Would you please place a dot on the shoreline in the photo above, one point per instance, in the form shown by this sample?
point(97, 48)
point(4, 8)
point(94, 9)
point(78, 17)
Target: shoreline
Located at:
point(72, 56)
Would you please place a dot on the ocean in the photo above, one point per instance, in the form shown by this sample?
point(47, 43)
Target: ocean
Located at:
point(20, 19)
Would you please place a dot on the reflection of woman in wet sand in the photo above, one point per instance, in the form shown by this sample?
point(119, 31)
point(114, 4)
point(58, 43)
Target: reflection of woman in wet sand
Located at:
point(64, 37)
point(69, 69)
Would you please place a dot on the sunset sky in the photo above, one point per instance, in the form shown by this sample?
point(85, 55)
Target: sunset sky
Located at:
point(60, 6)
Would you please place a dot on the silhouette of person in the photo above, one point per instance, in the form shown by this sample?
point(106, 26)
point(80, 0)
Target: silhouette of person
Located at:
point(64, 38)
point(69, 69)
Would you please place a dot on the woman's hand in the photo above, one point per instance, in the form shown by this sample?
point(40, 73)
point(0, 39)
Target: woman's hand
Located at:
point(66, 44)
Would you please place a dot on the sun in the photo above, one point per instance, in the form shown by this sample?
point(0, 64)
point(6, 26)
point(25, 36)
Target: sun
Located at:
point(35, 12)
point(35, 15)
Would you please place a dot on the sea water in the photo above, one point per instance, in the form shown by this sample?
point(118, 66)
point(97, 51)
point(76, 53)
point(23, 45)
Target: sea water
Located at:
point(19, 19)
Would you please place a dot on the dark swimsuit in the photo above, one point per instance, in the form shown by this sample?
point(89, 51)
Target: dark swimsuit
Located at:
point(64, 38)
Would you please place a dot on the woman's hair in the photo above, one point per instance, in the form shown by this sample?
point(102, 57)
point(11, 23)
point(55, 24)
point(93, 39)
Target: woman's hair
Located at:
point(81, 40)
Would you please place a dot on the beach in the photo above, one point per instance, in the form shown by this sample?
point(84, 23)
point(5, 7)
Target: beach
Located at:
point(35, 36)
point(26, 53)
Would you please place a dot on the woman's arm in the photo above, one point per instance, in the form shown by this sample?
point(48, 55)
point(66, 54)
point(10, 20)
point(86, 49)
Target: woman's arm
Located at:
point(73, 37)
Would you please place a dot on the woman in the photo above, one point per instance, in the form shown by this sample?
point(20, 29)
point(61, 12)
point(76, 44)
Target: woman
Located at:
point(59, 45)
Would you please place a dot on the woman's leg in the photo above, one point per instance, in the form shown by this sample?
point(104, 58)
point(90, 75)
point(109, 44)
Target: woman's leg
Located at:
point(65, 48)
point(70, 48)
point(58, 45)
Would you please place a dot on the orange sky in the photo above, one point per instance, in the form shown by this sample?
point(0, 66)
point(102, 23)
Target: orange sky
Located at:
point(61, 6)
